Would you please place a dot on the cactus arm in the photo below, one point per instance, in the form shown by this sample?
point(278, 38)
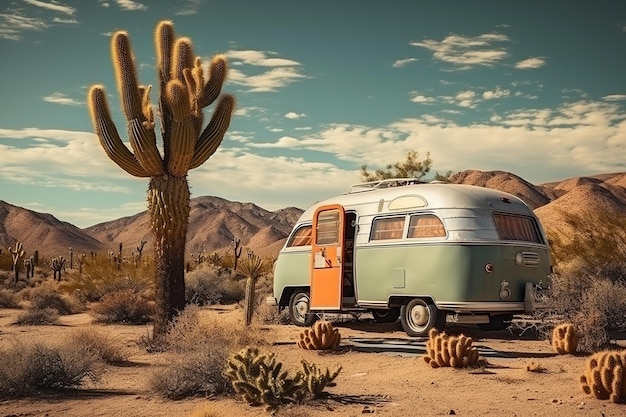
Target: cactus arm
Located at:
point(140, 130)
point(184, 133)
point(213, 86)
point(212, 136)
point(164, 41)
point(108, 135)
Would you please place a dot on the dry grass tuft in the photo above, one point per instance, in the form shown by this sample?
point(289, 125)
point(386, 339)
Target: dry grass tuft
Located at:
point(124, 306)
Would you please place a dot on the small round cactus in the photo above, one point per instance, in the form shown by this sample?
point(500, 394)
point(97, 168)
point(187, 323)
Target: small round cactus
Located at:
point(456, 351)
point(565, 339)
point(604, 376)
point(321, 336)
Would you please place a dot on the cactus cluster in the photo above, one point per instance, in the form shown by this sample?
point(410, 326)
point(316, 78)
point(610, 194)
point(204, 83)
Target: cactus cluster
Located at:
point(456, 351)
point(314, 380)
point(321, 336)
point(604, 376)
point(565, 339)
point(259, 379)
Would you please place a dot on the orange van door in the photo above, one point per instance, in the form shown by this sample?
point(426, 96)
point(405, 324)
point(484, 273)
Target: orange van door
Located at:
point(326, 260)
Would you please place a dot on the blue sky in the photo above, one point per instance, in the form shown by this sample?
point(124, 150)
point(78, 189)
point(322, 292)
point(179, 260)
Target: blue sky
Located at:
point(536, 88)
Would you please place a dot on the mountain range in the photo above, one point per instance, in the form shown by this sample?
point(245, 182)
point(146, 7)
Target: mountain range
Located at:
point(214, 222)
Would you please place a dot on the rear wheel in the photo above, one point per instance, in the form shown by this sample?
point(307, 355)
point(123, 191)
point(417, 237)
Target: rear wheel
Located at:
point(418, 316)
point(386, 316)
point(299, 308)
point(497, 322)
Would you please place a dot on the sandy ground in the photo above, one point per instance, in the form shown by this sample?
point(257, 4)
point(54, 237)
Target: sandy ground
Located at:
point(383, 374)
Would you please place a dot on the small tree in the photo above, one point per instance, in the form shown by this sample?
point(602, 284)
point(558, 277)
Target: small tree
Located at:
point(412, 167)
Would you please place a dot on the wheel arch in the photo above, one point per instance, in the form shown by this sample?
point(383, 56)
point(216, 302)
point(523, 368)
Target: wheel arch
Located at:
point(283, 302)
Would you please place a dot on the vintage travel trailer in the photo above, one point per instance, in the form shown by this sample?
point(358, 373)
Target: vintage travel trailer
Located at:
point(427, 253)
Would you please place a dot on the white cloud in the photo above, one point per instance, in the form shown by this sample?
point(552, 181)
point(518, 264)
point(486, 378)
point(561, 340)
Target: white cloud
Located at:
point(531, 63)
point(422, 99)
point(192, 7)
point(258, 78)
point(466, 99)
point(293, 115)
point(260, 58)
point(130, 5)
point(60, 98)
point(57, 7)
point(466, 51)
point(275, 129)
point(12, 25)
point(615, 97)
point(497, 93)
point(65, 21)
point(403, 62)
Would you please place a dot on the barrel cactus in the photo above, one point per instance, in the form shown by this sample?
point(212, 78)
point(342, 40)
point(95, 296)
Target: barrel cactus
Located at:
point(183, 94)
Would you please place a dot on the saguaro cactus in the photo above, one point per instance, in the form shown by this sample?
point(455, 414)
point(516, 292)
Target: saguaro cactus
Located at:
point(183, 93)
point(16, 254)
point(58, 265)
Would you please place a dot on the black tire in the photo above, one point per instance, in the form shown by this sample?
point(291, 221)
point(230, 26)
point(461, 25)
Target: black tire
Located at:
point(386, 316)
point(418, 316)
point(299, 309)
point(497, 322)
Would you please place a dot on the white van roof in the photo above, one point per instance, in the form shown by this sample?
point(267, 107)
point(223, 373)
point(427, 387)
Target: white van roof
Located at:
point(393, 195)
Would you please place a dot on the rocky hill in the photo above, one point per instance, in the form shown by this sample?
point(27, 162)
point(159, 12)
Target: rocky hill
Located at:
point(214, 222)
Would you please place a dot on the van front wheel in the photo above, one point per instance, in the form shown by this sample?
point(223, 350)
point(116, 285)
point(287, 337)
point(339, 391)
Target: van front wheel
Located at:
point(419, 316)
point(299, 308)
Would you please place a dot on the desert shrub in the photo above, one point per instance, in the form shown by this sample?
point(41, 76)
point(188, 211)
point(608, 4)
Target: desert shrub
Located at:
point(207, 285)
point(201, 286)
point(8, 299)
point(199, 372)
point(101, 277)
point(99, 344)
point(29, 367)
point(124, 306)
point(200, 350)
point(46, 296)
point(38, 317)
point(593, 301)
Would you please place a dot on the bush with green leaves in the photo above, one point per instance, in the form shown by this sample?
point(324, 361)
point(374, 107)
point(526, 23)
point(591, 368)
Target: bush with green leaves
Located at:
point(28, 367)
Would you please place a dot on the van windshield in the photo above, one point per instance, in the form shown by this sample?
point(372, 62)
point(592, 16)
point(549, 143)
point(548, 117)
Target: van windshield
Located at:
point(515, 227)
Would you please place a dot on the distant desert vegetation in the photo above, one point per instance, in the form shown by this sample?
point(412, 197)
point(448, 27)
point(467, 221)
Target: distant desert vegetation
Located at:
point(214, 221)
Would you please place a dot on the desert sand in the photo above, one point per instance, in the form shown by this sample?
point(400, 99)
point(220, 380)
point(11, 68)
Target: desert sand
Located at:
point(383, 374)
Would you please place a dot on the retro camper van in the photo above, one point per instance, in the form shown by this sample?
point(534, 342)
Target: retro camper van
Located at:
point(426, 253)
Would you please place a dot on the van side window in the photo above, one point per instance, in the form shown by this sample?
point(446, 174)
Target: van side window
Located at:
point(328, 228)
point(515, 227)
point(426, 225)
point(387, 228)
point(301, 237)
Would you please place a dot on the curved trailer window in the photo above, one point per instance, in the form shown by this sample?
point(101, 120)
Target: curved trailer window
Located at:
point(514, 227)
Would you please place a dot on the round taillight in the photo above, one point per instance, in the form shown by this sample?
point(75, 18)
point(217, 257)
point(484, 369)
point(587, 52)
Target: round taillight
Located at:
point(489, 268)
point(519, 258)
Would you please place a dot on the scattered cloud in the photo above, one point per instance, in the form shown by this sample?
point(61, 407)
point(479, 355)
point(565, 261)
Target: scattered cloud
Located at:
point(250, 69)
point(293, 115)
point(274, 129)
point(497, 93)
point(466, 99)
point(55, 6)
point(403, 62)
point(65, 21)
point(422, 99)
point(465, 51)
point(615, 97)
point(190, 8)
point(531, 63)
point(303, 128)
point(12, 25)
point(60, 98)
point(130, 5)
